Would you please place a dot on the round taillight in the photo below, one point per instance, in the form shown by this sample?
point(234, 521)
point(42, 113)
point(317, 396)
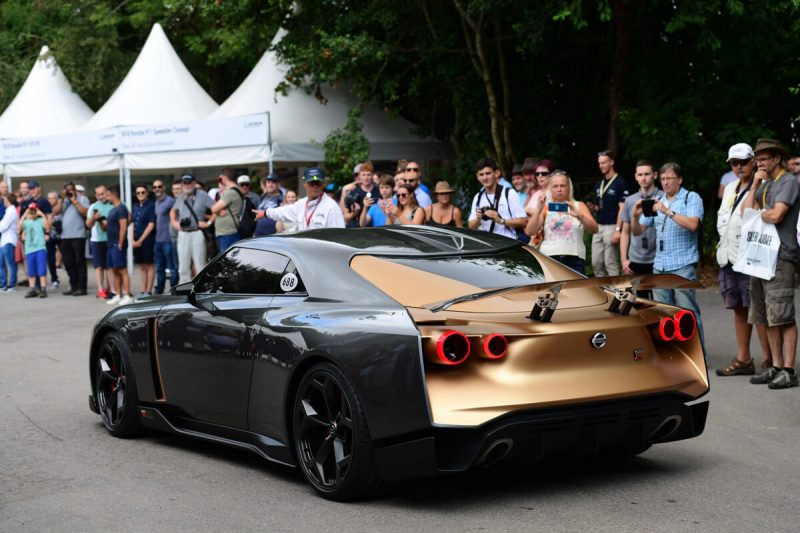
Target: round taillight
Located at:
point(495, 346)
point(452, 348)
point(667, 328)
point(686, 325)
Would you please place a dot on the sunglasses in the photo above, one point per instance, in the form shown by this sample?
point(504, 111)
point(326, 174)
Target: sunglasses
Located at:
point(412, 169)
point(314, 183)
point(402, 194)
point(739, 162)
point(141, 193)
point(158, 187)
point(541, 173)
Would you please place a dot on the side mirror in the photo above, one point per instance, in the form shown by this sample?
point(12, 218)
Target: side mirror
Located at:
point(184, 289)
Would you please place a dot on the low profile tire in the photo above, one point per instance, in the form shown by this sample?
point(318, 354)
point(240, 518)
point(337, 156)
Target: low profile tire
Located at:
point(331, 439)
point(115, 387)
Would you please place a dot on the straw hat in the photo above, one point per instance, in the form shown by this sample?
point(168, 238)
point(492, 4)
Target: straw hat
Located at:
point(770, 144)
point(442, 187)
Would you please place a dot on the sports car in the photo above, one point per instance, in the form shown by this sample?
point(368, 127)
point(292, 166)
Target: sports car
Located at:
point(366, 356)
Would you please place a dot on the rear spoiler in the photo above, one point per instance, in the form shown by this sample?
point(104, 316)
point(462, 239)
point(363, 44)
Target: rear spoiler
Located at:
point(624, 288)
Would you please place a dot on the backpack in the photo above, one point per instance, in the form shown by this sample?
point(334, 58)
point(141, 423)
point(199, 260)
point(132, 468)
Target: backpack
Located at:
point(246, 221)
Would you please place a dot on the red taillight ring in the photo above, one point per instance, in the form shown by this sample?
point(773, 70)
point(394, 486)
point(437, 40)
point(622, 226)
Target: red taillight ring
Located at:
point(667, 328)
point(440, 347)
point(679, 317)
point(486, 344)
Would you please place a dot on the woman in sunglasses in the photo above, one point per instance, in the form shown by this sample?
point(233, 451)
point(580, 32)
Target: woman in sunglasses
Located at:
point(407, 210)
point(443, 212)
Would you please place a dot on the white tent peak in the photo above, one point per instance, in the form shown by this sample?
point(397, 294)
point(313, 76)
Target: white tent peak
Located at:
point(45, 104)
point(157, 89)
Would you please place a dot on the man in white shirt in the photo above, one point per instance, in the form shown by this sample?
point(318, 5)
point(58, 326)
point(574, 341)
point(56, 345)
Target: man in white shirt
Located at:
point(496, 209)
point(316, 210)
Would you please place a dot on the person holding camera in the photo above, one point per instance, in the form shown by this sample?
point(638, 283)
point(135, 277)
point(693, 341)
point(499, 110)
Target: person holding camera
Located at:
point(33, 227)
point(638, 252)
point(677, 220)
point(407, 210)
point(564, 221)
point(354, 194)
point(73, 208)
point(98, 240)
point(190, 216)
point(495, 208)
point(374, 212)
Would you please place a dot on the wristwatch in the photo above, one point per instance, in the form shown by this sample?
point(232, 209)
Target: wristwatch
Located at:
point(617, 229)
point(502, 221)
point(671, 213)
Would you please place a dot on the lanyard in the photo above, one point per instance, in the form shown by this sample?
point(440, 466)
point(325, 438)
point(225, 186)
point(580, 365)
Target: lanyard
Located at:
point(664, 224)
point(738, 197)
point(767, 188)
point(607, 185)
point(309, 215)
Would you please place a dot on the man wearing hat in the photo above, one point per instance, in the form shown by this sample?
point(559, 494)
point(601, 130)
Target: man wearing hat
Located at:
point(735, 286)
point(189, 216)
point(272, 197)
point(35, 192)
point(772, 302)
point(316, 210)
point(243, 182)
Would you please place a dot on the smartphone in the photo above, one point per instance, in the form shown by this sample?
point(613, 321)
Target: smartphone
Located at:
point(560, 207)
point(647, 207)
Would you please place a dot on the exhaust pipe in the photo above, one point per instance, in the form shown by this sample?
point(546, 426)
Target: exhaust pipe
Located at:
point(496, 451)
point(666, 428)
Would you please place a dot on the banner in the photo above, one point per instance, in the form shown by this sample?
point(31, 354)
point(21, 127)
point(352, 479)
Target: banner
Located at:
point(247, 130)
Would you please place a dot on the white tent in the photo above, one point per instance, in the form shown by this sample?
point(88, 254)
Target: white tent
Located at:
point(157, 90)
point(299, 122)
point(45, 104)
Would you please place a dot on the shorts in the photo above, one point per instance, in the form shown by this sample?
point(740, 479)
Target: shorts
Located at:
point(99, 253)
point(116, 258)
point(772, 302)
point(144, 255)
point(734, 287)
point(37, 263)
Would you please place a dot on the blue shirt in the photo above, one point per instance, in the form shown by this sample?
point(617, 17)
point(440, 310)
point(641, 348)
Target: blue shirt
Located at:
point(163, 207)
point(377, 215)
point(143, 214)
point(266, 226)
point(112, 227)
point(612, 196)
point(676, 246)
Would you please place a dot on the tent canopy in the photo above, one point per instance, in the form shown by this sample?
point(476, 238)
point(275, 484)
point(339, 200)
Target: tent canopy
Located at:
point(45, 105)
point(157, 90)
point(299, 122)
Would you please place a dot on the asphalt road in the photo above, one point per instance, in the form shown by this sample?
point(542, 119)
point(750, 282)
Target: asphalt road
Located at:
point(61, 471)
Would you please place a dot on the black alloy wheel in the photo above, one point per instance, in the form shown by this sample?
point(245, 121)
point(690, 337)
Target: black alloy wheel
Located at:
point(115, 387)
point(331, 439)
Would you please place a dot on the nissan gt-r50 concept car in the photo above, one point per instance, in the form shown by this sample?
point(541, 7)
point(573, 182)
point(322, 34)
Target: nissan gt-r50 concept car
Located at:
point(373, 355)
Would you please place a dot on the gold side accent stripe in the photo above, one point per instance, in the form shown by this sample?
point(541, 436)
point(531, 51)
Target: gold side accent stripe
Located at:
point(158, 384)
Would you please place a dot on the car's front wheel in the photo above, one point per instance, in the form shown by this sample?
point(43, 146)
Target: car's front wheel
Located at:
point(331, 438)
point(115, 387)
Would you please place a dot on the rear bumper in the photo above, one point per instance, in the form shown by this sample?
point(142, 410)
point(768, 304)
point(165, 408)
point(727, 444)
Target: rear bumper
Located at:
point(629, 425)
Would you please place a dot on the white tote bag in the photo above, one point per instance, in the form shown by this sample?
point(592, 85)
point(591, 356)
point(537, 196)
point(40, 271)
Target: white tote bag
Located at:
point(758, 247)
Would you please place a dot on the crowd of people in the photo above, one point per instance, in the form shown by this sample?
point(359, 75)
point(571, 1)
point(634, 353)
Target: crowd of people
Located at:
point(653, 228)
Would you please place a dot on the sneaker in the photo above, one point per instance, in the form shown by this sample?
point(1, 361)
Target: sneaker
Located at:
point(109, 294)
point(43, 293)
point(114, 300)
point(101, 295)
point(11, 289)
point(783, 380)
point(765, 377)
point(55, 284)
point(33, 293)
point(125, 300)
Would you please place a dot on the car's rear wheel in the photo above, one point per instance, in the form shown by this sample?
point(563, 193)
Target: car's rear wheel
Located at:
point(331, 438)
point(115, 387)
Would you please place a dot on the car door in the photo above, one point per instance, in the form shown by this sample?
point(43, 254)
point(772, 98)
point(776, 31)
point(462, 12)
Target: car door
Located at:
point(206, 343)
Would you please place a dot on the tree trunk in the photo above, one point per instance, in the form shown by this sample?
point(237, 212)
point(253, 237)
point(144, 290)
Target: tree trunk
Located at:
point(624, 20)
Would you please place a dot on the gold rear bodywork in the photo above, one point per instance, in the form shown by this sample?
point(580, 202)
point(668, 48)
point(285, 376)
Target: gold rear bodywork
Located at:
point(548, 363)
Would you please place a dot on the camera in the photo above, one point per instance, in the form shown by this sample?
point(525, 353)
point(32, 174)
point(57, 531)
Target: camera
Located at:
point(185, 223)
point(482, 211)
point(102, 219)
point(647, 207)
point(69, 194)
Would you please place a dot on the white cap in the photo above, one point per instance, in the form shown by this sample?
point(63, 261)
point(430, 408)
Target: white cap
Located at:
point(80, 188)
point(740, 151)
point(243, 179)
point(357, 169)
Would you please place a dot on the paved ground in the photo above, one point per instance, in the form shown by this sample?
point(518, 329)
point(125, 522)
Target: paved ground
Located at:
point(60, 471)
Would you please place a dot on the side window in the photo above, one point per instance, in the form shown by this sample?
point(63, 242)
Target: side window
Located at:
point(243, 271)
point(291, 283)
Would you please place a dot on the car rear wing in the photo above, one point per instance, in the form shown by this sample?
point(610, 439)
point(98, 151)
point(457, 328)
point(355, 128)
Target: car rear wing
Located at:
point(623, 287)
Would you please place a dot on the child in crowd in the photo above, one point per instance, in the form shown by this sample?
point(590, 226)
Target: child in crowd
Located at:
point(33, 227)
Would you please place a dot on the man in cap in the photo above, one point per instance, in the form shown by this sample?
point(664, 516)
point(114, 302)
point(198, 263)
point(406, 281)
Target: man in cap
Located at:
point(735, 286)
point(73, 208)
point(272, 197)
point(189, 216)
point(772, 302)
point(316, 210)
point(243, 182)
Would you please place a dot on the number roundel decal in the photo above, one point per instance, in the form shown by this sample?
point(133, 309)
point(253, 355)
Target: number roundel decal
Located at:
point(288, 282)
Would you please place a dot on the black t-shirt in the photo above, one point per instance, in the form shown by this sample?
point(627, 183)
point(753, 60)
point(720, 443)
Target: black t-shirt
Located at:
point(356, 196)
point(614, 193)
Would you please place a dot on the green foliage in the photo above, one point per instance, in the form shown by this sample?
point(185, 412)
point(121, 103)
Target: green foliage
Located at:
point(345, 148)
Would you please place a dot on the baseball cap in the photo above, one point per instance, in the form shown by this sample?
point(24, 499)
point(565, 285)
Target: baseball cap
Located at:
point(33, 184)
point(33, 205)
point(313, 174)
point(244, 178)
point(272, 177)
point(80, 188)
point(187, 178)
point(740, 151)
point(357, 169)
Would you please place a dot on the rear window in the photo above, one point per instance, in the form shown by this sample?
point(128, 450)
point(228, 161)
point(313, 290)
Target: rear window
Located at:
point(516, 266)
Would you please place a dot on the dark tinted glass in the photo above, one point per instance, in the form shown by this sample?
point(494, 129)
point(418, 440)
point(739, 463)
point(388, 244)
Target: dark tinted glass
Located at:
point(512, 267)
point(243, 271)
